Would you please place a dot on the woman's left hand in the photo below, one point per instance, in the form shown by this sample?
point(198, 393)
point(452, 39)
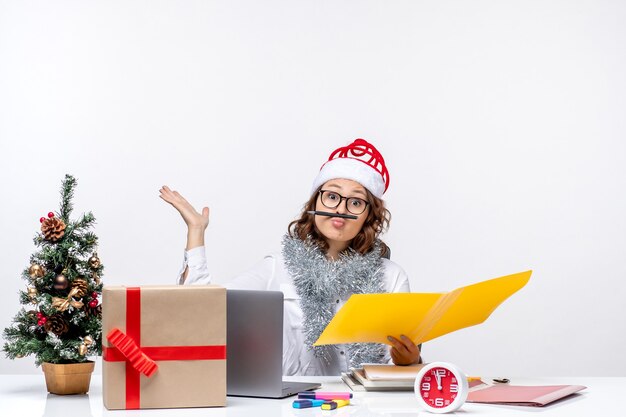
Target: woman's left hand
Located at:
point(404, 351)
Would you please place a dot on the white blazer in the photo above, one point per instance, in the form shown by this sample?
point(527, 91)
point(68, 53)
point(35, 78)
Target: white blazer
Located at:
point(271, 274)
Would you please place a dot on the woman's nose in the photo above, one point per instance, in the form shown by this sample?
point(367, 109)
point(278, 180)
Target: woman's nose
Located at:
point(342, 208)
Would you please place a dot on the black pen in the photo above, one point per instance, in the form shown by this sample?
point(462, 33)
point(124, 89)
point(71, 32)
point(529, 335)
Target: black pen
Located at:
point(325, 213)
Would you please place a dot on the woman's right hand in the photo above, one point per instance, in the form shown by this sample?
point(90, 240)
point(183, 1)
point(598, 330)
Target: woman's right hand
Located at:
point(196, 222)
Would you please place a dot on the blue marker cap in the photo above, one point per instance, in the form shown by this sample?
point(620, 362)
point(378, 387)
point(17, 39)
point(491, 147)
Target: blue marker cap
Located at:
point(307, 403)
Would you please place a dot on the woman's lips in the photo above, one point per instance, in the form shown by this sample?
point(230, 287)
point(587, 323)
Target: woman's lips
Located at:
point(337, 222)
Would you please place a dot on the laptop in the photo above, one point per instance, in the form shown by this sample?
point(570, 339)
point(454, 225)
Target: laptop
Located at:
point(254, 343)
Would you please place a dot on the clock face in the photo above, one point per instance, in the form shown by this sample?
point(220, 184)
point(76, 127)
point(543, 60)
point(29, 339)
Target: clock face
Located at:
point(439, 387)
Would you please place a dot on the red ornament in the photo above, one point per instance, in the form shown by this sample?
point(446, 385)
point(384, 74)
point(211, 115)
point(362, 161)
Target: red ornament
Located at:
point(94, 295)
point(42, 321)
point(41, 219)
point(39, 315)
point(93, 303)
point(50, 214)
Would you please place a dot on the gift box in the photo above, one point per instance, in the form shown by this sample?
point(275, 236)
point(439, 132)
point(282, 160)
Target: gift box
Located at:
point(163, 346)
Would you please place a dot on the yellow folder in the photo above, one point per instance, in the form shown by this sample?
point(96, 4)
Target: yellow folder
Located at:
point(370, 318)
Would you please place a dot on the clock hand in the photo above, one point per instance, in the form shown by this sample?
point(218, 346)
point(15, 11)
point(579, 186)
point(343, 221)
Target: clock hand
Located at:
point(438, 377)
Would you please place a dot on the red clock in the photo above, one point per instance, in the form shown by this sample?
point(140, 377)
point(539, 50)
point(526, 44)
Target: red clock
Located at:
point(441, 387)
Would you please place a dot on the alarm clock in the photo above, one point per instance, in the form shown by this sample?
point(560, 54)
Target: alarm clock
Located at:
point(441, 387)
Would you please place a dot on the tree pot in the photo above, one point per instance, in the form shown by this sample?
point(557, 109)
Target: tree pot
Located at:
point(68, 378)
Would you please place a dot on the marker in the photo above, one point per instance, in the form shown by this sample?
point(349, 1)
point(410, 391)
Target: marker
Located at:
point(307, 403)
point(501, 380)
point(331, 405)
point(473, 378)
point(313, 395)
point(325, 213)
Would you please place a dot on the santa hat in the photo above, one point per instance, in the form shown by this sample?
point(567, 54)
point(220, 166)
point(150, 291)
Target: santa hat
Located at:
point(359, 161)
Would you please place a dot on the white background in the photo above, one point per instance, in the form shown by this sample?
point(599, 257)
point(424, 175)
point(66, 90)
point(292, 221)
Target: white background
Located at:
point(502, 124)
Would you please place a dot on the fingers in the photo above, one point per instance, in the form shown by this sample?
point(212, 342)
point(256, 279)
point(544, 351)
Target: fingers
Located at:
point(180, 197)
point(404, 345)
point(410, 346)
point(400, 359)
point(403, 351)
point(166, 194)
point(192, 218)
point(172, 197)
point(395, 356)
point(398, 345)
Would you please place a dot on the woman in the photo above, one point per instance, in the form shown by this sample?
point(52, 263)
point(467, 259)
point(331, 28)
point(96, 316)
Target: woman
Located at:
point(331, 252)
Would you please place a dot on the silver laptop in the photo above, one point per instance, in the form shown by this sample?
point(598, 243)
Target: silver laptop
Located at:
point(254, 344)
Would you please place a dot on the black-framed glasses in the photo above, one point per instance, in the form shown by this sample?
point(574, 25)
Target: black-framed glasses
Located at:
point(331, 200)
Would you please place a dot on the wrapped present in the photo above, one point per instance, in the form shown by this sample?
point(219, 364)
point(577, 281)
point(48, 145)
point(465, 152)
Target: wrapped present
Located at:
point(164, 346)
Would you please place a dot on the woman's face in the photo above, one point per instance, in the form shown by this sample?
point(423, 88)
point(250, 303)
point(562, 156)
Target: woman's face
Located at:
point(334, 228)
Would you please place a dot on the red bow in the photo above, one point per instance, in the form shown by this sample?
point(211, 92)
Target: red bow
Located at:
point(127, 347)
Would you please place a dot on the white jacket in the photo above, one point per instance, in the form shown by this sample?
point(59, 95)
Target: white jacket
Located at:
point(271, 274)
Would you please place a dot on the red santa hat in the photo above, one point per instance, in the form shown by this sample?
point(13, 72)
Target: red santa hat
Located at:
point(359, 161)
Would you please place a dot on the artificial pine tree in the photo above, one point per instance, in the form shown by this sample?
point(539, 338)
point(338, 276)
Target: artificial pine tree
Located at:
point(61, 323)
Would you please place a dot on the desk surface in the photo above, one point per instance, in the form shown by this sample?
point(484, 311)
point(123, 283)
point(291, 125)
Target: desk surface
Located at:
point(26, 395)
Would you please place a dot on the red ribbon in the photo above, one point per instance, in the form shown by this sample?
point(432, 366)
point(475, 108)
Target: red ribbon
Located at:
point(139, 359)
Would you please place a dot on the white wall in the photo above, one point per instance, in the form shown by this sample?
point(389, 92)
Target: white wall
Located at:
point(502, 124)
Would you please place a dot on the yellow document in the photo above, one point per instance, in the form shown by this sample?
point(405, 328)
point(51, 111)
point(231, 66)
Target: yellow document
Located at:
point(370, 318)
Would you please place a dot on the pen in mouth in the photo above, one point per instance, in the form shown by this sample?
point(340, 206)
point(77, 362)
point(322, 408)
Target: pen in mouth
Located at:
point(325, 213)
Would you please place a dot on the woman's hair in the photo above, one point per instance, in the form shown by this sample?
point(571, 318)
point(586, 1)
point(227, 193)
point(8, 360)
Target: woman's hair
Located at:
point(377, 221)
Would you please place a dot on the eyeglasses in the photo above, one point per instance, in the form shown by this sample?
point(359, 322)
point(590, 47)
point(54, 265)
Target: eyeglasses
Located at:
point(331, 199)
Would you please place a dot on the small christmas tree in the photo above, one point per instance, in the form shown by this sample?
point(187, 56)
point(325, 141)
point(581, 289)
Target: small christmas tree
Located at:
point(63, 321)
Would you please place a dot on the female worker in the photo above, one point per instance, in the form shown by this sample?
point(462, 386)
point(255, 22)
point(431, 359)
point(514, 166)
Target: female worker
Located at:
point(331, 252)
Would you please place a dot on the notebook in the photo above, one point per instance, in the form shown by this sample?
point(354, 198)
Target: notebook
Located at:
point(254, 340)
point(378, 372)
point(382, 384)
point(537, 396)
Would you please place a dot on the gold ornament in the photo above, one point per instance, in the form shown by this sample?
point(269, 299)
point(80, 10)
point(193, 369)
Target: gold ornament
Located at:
point(62, 304)
point(81, 286)
point(96, 278)
point(88, 341)
point(32, 294)
point(60, 282)
point(19, 356)
point(36, 271)
point(82, 350)
point(94, 261)
point(53, 229)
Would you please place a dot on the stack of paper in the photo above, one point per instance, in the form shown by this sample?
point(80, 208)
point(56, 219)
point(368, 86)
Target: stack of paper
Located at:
point(382, 377)
point(378, 377)
point(375, 372)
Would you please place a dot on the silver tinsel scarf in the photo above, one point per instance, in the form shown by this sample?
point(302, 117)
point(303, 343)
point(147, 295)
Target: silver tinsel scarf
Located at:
point(320, 281)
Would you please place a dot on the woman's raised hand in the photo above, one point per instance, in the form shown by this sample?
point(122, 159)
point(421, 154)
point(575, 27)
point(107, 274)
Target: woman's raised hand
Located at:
point(196, 222)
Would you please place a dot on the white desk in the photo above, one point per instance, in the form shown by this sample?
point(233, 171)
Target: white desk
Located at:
point(26, 395)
